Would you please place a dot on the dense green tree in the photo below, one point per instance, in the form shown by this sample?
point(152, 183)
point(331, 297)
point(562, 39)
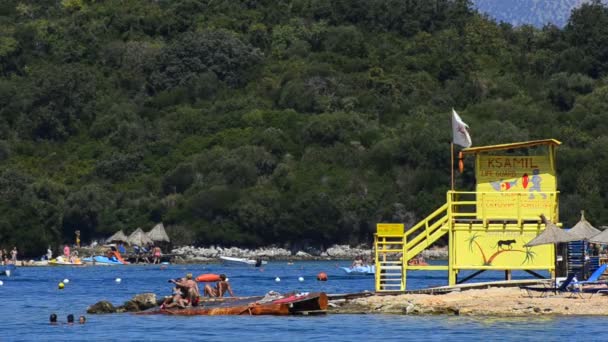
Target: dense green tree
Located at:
point(295, 122)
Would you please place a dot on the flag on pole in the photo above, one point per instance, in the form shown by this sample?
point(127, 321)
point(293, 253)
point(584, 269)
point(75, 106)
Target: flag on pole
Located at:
point(460, 131)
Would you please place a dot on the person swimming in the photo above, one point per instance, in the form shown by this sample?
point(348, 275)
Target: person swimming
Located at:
point(53, 319)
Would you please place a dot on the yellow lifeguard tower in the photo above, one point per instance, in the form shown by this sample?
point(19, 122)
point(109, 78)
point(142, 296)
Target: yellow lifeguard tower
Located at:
point(487, 228)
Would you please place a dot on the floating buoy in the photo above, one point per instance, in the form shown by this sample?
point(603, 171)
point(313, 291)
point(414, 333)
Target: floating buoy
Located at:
point(118, 280)
point(66, 280)
point(1, 283)
point(322, 276)
point(208, 277)
point(277, 279)
point(61, 286)
point(301, 279)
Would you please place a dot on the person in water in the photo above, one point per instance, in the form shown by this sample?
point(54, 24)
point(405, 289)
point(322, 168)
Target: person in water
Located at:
point(82, 320)
point(220, 288)
point(189, 288)
point(70, 319)
point(53, 319)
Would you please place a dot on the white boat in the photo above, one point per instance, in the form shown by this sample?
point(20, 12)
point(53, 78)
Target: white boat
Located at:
point(240, 261)
point(360, 270)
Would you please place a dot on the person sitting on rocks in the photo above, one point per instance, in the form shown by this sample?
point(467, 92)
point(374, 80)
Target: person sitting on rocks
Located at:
point(220, 288)
point(189, 288)
point(177, 299)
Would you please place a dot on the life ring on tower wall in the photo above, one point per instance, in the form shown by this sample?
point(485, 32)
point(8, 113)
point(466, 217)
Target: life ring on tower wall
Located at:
point(460, 162)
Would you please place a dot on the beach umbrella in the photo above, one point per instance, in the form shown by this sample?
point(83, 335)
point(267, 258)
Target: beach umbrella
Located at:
point(583, 229)
point(139, 238)
point(119, 236)
point(158, 233)
point(601, 237)
point(551, 235)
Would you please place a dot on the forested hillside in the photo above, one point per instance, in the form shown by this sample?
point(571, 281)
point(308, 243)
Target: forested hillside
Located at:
point(291, 122)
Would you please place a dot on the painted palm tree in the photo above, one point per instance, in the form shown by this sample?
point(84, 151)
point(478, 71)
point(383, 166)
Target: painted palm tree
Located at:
point(472, 240)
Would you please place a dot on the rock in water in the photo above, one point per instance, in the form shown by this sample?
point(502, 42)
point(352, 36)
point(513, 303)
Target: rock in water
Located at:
point(145, 300)
point(129, 306)
point(140, 302)
point(101, 307)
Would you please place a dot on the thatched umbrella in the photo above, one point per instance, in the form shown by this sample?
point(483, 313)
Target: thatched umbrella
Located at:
point(600, 238)
point(119, 236)
point(139, 238)
point(158, 233)
point(551, 235)
point(583, 229)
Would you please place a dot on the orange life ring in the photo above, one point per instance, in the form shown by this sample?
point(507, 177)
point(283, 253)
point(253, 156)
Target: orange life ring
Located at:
point(208, 277)
point(460, 162)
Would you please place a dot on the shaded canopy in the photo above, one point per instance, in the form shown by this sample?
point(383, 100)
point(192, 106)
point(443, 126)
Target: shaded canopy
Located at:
point(158, 233)
point(139, 238)
point(600, 238)
point(552, 234)
point(583, 229)
point(119, 236)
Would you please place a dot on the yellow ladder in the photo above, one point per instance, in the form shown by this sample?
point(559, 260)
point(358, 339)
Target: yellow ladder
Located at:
point(390, 275)
point(394, 248)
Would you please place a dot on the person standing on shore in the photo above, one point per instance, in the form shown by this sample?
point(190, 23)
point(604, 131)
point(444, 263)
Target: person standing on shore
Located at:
point(14, 255)
point(157, 253)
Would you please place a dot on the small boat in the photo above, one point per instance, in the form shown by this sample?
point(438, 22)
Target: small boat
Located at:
point(8, 270)
point(61, 261)
point(360, 270)
point(417, 262)
point(102, 260)
point(237, 261)
point(289, 304)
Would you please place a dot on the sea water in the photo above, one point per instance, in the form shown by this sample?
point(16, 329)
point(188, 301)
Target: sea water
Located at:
point(29, 297)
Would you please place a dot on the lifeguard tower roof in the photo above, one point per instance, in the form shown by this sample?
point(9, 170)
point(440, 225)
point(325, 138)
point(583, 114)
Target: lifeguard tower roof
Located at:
point(473, 150)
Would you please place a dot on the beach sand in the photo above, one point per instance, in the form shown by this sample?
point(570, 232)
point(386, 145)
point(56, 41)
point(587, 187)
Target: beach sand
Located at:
point(502, 302)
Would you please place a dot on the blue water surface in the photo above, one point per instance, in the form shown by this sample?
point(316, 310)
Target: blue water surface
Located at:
point(29, 297)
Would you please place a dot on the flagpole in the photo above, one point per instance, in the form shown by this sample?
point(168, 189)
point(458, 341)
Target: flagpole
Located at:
point(452, 159)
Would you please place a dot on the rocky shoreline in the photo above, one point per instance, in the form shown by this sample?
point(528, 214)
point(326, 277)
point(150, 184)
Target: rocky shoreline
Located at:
point(494, 302)
point(191, 254)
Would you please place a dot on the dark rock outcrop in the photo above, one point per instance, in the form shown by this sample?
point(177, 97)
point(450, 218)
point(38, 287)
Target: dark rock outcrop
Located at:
point(101, 308)
point(140, 302)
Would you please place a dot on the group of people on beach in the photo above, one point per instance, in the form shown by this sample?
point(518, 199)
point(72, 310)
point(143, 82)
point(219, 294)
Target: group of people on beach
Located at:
point(7, 258)
point(186, 292)
point(144, 253)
